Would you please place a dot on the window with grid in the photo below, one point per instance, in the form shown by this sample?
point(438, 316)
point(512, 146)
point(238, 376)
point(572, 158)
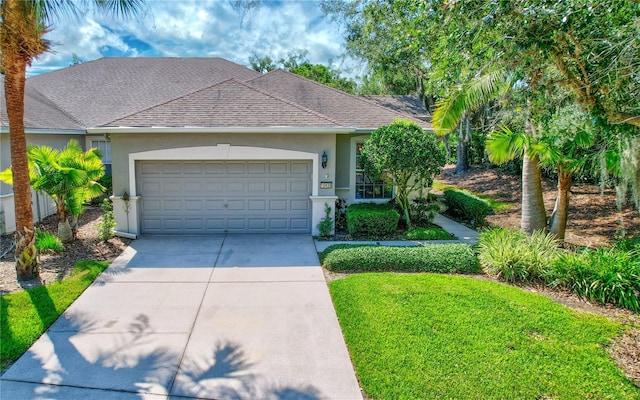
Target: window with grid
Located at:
point(367, 188)
point(105, 149)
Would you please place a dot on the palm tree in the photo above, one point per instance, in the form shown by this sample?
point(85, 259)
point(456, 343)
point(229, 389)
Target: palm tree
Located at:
point(69, 176)
point(24, 23)
point(472, 95)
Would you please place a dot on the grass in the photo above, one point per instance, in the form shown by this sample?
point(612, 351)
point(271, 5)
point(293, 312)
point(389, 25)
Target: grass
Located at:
point(418, 336)
point(47, 241)
point(429, 233)
point(25, 315)
point(493, 203)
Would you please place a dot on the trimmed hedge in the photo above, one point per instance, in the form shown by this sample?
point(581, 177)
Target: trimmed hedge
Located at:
point(447, 258)
point(465, 206)
point(371, 220)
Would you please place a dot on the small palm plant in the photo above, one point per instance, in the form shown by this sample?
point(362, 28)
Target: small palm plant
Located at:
point(69, 176)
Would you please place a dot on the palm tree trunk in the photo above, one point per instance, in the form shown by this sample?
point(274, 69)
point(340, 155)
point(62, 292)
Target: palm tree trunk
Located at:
point(65, 233)
point(560, 215)
point(15, 78)
point(462, 151)
point(534, 215)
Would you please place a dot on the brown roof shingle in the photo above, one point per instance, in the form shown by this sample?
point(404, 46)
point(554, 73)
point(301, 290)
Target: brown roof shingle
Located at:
point(100, 91)
point(346, 109)
point(227, 104)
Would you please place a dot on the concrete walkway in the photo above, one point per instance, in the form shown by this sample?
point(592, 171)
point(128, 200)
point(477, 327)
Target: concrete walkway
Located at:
point(464, 235)
point(216, 317)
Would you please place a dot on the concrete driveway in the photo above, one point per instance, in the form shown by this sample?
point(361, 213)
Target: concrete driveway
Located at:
point(213, 317)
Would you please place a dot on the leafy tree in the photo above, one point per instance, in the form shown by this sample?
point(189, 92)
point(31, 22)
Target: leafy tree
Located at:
point(405, 156)
point(261, 64)
point(69, 176)
point(23, 24)
point(298, 63)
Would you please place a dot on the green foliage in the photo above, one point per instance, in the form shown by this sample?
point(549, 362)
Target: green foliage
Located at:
point(463, 205)
point(605, 275)
point(429, 233)
point(449, 258)
point(370, 220)
point(47, 241)
point(107, 222)
point(515, 257)
point(405, 156)
point(69, 176)
point(432, 336)
point(325, 226)
point(298, 63)
point(25, 315)
point(423, 210)
point(341, 214)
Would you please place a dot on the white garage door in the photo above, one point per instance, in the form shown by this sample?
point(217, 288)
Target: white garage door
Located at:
point(225, 196)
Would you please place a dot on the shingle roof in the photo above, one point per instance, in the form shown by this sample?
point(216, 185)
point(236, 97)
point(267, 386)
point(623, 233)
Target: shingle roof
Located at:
point(411, 105)
point(97, 92)
point(189, 92)
point(347, 109)
point(227, 104)
point(40, 113)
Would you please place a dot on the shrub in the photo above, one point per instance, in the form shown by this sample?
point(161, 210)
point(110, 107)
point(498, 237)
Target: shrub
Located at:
point(371, 220)
point(423, 210)
point(325, 226)
point(448, 258)
point(47, 241)
point(516, 257)
point(108, 222)
point(628, 244)
point(429, 233)
point(603, 275)
point(465, 206)
point(340, 214)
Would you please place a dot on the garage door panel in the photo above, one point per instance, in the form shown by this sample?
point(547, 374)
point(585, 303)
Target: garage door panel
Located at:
point(214, 168)
point(257, 187)
point(172, 168)
point(278, 168)
point(235, 168)
point(299, 205)
point(278, 187)
point(214, 205)
point(299, 186)
point(254, 168)
point(235, 187)
point(193, 168)
point(216, 196)
point(300, 168)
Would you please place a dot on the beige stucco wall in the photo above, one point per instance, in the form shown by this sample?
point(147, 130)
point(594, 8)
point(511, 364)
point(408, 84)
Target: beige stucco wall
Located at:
point(123, 144)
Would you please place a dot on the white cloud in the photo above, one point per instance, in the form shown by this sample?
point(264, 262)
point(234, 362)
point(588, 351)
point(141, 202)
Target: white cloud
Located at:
point(192, 28)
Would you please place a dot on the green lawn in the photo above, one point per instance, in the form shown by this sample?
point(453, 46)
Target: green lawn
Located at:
point(419, 336)
point(25, 315)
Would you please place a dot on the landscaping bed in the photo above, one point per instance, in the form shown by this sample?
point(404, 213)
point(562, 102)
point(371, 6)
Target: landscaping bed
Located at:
point(54, 267)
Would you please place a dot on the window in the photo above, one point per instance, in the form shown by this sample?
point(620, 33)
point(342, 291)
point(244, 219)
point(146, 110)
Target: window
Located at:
point(366, 188)
point(105, 149)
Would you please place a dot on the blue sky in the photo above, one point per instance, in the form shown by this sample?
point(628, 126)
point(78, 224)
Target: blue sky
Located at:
point(199, 28)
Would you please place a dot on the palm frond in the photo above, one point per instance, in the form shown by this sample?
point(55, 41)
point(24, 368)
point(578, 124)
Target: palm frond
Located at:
point(505, 145)
point(450, 111)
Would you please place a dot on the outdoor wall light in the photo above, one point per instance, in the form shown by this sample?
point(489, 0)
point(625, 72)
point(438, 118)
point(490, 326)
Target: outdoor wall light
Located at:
point(325, 158)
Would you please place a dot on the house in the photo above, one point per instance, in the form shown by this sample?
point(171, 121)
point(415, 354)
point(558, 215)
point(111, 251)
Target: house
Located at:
point(204, 145)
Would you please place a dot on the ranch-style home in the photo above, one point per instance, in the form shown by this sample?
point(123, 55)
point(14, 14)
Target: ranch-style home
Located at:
point(204, 145)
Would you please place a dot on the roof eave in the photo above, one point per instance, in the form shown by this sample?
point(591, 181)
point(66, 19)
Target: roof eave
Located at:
point(223, 129)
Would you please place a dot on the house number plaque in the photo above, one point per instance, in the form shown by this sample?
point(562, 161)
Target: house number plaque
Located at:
point(326, 185)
